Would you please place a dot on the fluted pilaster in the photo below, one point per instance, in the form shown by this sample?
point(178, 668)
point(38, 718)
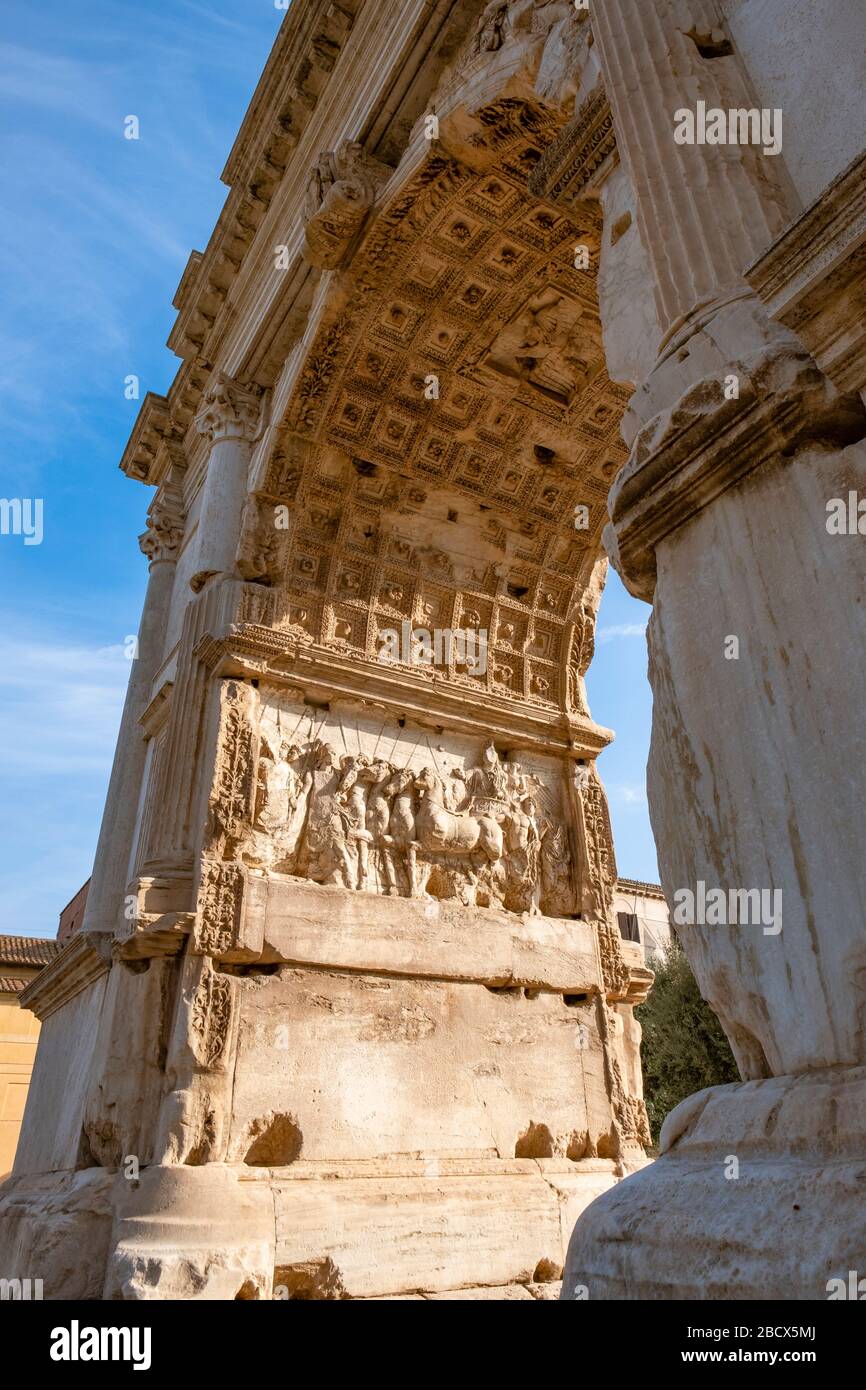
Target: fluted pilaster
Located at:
point(705, 211)
point(160, 543)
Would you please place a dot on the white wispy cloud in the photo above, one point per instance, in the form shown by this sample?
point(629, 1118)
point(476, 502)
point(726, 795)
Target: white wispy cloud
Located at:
point(34, 78)
point(102, 225)
point(97, 234)
point(617, 630)
point(627, 793)
point(60, 707)
point(60, 704)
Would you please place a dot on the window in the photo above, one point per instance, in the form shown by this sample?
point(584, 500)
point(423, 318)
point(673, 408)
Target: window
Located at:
point(628, 927)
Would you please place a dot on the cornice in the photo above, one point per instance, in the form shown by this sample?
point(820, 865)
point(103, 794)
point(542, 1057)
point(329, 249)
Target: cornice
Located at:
point(690, 454)
point(294, 79)
point(152, 422)
point(154, 717)
point(308, 40)
point(813, 278)
point(254, 653)
point(85, 958)
point(288, 95)
point(156, 441)
point(640, 889)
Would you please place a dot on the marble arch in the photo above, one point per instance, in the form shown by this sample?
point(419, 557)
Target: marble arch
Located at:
point(350, 990)
point(357, 905)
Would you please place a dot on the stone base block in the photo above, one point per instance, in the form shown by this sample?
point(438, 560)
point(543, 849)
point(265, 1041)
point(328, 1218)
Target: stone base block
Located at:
point(400, 1228)
point(56, 1228)
point(429, 1228)
point(758, 1194)
point(191, 1233)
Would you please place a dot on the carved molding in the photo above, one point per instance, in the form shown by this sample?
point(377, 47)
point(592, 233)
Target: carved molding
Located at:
point(813, 278)
point(566, 172)
point(283, 655)
point(84, 959)
point(690, 453)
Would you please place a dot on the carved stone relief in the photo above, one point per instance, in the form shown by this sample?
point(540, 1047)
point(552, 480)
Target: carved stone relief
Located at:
point(220, 903)
point(353, 799)
point(547, 345)
point(210, 1017)
point(340, 193)
point(165, 525)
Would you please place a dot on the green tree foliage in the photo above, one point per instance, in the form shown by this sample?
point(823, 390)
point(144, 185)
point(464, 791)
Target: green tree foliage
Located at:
point(683, 1048)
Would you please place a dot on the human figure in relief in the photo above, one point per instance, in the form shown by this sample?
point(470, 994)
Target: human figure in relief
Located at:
point(352, 800)
point(488, 782)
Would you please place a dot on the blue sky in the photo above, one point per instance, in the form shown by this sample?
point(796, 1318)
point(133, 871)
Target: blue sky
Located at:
point(95, 236)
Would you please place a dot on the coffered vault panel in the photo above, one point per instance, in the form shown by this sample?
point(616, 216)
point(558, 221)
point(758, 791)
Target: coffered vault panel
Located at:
point(456, 509)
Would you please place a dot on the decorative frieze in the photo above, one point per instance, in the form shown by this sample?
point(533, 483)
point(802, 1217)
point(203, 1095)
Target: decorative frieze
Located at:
point(388, 813)
point(567, 170)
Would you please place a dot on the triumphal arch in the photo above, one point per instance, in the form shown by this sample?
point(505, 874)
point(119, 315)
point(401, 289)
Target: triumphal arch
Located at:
point(350, 1016)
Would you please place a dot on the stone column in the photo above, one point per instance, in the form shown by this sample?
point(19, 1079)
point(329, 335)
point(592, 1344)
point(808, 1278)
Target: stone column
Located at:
point(230, 418)
point(704, 211)
point(756, 776)
point(160, 543)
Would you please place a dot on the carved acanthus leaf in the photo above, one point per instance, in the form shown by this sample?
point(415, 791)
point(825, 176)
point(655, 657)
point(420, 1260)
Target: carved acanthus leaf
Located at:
point(230, 410)
point(165, 526)
point(210, 1017)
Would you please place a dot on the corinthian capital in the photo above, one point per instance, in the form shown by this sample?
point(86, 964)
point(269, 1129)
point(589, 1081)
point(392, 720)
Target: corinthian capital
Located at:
point(161, 540)
point(230, 410)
